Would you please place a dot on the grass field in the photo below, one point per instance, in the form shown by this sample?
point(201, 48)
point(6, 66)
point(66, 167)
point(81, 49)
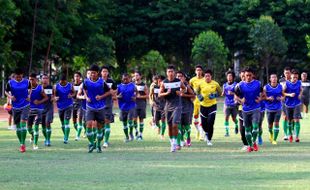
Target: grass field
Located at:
point(150, 165)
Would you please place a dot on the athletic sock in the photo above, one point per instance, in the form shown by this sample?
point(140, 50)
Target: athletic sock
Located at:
point(125, 129)
point(130, 124)
point(19, 133)
point(187, 131)
point(99, 137)
point(297, 128)
point(285, 127)
point(290, 126)
point(141, 127)
point(67, 129)
point(226, 125)
point(135, 125)
point(255, 131)
point(44, 131)
point(107, 131)
point(48, 133)
point(248, 136)
point(36, 134)
point(179, 135)
point(79, 130)
point(236, 124)
point(90, 135)
point(276, 132)
point(75, 125)
point(163, 128)
point(23, 132)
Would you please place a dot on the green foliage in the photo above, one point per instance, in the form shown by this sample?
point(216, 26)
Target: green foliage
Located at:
point(308, 44)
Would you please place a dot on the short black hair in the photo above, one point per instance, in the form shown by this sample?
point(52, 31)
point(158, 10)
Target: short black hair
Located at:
point(171, 67)
point(155, 77)
point(208, 71)
point(78, 73)
point(231, 73)
point(295, 72)
point(63, 77)
point(198, 66)
point(249, 70)
point(125, 75)
point(162, 77)
point(94, 67)
point(287, 69)
point(18, 71)
point(136, 71)
point(33, 75)
point(105, 67)
point(181, 72)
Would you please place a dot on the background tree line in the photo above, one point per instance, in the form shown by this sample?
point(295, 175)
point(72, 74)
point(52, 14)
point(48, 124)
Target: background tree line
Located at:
point(67, 35)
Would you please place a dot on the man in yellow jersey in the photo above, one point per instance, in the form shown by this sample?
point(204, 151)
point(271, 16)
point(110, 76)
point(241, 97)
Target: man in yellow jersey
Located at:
point(194, 82)
point(207, 91)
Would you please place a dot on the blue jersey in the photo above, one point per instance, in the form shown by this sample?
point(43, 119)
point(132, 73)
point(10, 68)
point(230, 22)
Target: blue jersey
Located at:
point(276, 93)
point(36, 94)
point(128, 92)
point(19, 89)
point(63, 92)
point(229, 98)
point(292, 102)
point(250, 91)
point(95, 88)
point(262, 106)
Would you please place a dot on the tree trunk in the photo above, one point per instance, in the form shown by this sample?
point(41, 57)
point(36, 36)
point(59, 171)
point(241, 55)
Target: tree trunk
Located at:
point(33, 34)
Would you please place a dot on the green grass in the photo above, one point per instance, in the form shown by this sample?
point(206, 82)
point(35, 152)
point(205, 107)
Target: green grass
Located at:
point(150, 165)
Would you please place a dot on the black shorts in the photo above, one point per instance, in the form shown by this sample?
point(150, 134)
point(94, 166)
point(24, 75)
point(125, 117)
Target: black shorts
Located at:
point(251, 117)
point(139, 113)
point(273, 116)
point(174, 117)
point(75, 110)
point(95, 115)
point(159, 115)
point(48, 115)
point(231, 111)
point(305, 100)
point(35, 117)
point(126, 115)
point(20, 114)
point(293, 113)
point(108, 111)
point(65, 113)
point(186, 118)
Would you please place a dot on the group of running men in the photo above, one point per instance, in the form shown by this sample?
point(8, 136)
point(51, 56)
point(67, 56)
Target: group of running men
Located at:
point(174, 101)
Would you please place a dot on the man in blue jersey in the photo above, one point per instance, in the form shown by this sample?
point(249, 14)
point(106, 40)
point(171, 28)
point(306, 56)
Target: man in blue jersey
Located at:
point(292, 91)
point(230, 106)
point(109, 116)
point(96, 91)
point(272, 93)
point(126, 95)
point(48, 112)
point(63, 93)
point(18, 90)
point(250, 97)
point(37, 98)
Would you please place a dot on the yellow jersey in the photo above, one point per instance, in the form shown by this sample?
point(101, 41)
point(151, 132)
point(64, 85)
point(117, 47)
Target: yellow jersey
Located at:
point(205, 89)
point(194, 83)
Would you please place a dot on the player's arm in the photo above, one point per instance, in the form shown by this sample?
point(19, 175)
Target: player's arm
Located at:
point(162, 92)
point(237, 95)
point(8, 92)
point(151, 94)
point(190, 93)
point(146, 91)
point(106, 93)
point(72, 93)
point(219, 89)
point(44, 99)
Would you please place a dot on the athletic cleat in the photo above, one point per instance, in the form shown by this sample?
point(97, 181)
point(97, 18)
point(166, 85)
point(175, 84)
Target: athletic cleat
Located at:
point(291, 139)
point(45, 142)
point(285, 138)
point(22, 148)
point(31, 140)
point(209, 143)
point(136, 134)
point(99, 149)
point(188, 143)
point(274, 142)
point(244, 148)
point(139, 138)
point(182, 143)
point(35, 147)
point(236, 130)
point(178, 147)
point(105, 145)
point(131, 137)
point(91, 148)
point(255, 147)
point(173, 148)
point(226, 135)
point(260, 140)
point(271, 137)
point(77, 138)
point(297, 140)
point(66, 142)
point(249, 149)
point(126, 140)
point(162, 137)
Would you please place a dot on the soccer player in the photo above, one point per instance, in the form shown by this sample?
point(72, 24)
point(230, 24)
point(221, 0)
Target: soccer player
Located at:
point(8, 108)
point(250, 91)
point(96, 91)
point(126, 95)
point(158, 104)
point(230, 106)
point(187, 107)
point(287, 77)
point(63, 93)
point(81, 95)
point(207, 91)
point(48, 112)
point(194, 82)
point(78, 126)
point(170, 90)
point(109, 116)
point(140, 110)
point(18, 90)
point(273, 97)
point(260, 123)
point(292, 91)
point(37, 98)
point(305, 93)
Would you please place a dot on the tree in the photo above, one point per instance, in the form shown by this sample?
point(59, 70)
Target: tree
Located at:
point(208, 47)
point(267, 41)
point(308, 44)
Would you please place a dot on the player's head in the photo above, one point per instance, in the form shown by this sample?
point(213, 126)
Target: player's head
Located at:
point(170, 71)
point(161, 78)
point(126, 78)
point(88, 72)
point(63, 78)
point(45, 79)
point(105, 71)
point(249, 74)
point(181, 76)
point(241, 75)
point(304, 76)
point(33, 79)
point(287, 73)
point(137, 76)
point(77, 77)
point(273, 78)
point(230, 76)
point(94, 71)
point(294, 75)
point(155, 78)
point(18, 74)
point(198, 70)
point(208, 75)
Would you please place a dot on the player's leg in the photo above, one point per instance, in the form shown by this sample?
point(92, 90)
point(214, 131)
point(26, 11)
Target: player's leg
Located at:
point(276, 128)
point(37, 121)
point(196, 119)
point(210, 123)
point(260, 127)
point(234, 118)
point(124, 115)
point(226, 121)
point(297, 116)
point(255, 119)
point(31, 119)
point(285, 122)
point(80, 124)
point(247, 119)
point(142, 116)
point(75, 116)
point(90, 116)
point(67, 117)
point(176, 121)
